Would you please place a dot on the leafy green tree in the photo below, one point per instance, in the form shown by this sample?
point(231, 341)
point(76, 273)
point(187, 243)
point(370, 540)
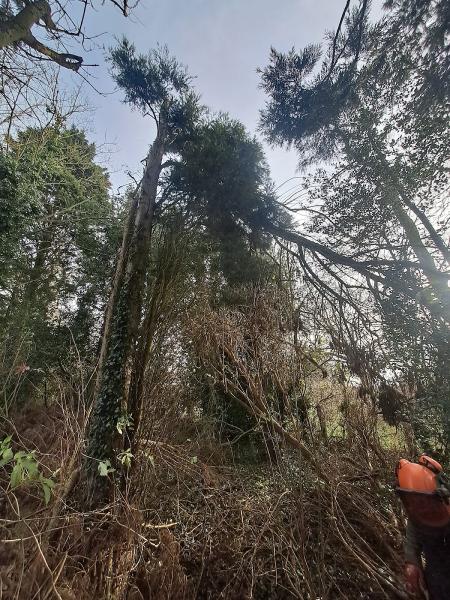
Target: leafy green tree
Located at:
point(376, 109)
point(57, 218)
point(222, 182)
point(347, 109)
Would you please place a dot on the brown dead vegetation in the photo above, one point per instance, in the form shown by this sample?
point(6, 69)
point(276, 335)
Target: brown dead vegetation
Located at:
point(204, 527)
point(194, 516)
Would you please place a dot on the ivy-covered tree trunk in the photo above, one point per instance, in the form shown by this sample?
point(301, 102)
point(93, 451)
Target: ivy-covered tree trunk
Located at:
point(140, 360)
point(122, 321)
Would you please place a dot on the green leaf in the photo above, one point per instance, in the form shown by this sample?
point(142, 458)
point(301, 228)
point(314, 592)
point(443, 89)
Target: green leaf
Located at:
point(124, 422)
point(47, 490)
point(104, 468)
point(194, 460)
point(30, 467)
point(16, 475)
point(6, 442)
point(125, 457)
point(7, 456)
point(48, 482)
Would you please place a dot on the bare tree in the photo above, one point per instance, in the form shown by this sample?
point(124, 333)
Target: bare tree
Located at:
point(57, 22)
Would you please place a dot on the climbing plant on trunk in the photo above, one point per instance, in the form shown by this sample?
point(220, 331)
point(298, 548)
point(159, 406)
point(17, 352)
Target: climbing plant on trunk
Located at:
point(159, 87)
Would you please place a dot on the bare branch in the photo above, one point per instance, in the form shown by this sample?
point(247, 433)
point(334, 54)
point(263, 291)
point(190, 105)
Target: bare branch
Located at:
point(17, 27)
point(68, 61)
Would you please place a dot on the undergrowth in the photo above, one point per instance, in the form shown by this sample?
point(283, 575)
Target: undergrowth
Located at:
point(204, 523)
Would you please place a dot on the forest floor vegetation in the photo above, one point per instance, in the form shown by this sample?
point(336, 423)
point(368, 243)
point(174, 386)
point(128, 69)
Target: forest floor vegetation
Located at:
point(211, 519)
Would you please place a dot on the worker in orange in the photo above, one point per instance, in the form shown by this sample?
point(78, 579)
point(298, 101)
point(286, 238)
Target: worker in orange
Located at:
point(425, 495)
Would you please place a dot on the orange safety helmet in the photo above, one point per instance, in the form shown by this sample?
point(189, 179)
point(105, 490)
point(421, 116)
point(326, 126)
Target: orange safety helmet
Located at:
point(424, 492)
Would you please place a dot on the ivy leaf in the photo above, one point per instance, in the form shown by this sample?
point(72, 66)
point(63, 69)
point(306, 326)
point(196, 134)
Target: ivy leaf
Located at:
point(125, 458)
point(124, 422)
point(104, 468)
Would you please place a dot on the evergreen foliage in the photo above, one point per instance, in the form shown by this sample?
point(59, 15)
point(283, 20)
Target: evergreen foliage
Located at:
point(377, 109)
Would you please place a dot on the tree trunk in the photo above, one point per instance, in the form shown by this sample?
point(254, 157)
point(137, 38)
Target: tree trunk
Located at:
point(116, 286)
point(17, 27)
point(434, 235)
point(135, 398)
point(167, 271)
point(393, 198)
point(122, 320)
point(437, 279)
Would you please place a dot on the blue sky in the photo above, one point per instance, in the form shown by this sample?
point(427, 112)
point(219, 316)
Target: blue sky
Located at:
point(222, 42)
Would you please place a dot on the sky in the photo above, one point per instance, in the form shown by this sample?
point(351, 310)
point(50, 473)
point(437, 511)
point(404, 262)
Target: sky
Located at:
point(222, 43)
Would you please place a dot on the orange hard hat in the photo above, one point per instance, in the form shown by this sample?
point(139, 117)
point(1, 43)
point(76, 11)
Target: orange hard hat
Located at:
point(423, 492)
point(418, 477)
